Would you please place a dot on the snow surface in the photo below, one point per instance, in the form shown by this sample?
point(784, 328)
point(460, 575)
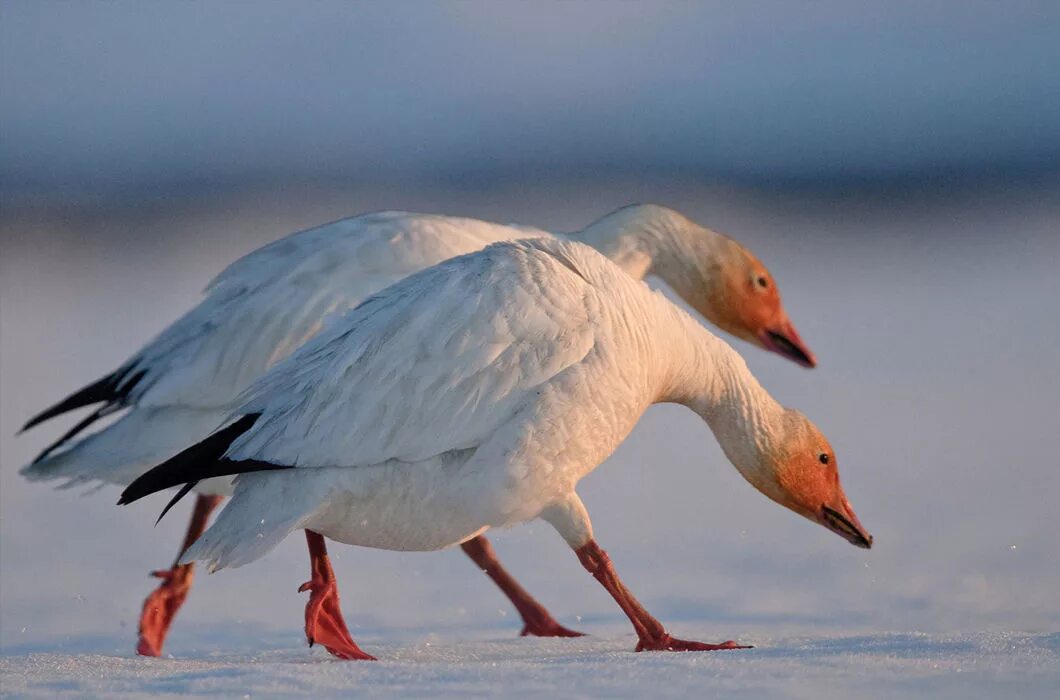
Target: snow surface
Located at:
point(875, 666)
point(936, 325)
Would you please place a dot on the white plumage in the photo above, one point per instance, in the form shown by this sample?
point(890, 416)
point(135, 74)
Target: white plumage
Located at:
point(265, 305)
point(472, 395)
point(477, 394)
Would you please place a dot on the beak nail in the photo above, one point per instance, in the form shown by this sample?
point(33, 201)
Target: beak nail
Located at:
point(790, 347)
point(842, 526)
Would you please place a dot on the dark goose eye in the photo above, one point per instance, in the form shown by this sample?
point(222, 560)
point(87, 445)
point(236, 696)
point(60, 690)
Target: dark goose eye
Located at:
point(824, 458)
point(762, 282)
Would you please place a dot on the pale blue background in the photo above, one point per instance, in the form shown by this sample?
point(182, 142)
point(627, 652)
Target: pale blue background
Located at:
point(894, 164)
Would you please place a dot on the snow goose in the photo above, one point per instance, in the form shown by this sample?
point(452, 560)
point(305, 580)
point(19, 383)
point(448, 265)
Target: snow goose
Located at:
point(183, 384)
point(474, 395)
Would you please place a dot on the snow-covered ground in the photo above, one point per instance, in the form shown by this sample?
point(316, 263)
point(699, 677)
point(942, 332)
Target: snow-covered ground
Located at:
point(936, 324)
point(962, 667)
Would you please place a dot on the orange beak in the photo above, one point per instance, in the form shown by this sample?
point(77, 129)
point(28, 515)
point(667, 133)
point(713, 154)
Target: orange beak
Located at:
point(843, 522)
point(784, 340)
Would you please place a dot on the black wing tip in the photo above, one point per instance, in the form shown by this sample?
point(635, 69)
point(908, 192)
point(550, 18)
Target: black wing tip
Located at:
point(40, 418)
point(71, 433)
point(200, 461)
point(111, 389)
point(173, 501)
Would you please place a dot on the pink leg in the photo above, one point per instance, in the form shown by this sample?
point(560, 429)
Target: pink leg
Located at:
point(323, 616)
point(537, 621)
point(162, 605)
point(652, 635)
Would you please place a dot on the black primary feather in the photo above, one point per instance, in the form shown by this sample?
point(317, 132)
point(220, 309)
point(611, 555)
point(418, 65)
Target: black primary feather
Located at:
point(225, 467)
point(202, 460)
point(69, 434)
point(112, 389)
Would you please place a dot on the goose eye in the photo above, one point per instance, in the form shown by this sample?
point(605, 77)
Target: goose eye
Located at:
point(823, 458)
point(762, 282)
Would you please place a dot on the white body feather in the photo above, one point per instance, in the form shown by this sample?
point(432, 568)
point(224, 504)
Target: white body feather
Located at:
point(267, 304)
point(475, 394)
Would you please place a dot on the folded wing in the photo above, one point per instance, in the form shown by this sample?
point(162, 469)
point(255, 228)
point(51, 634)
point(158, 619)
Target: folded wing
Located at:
point(433, 364)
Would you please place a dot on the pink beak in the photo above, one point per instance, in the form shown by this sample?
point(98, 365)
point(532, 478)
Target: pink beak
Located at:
point(845, 523)
point(784, 340)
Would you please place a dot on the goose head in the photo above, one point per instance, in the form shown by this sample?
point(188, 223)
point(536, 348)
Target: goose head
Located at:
point(714, 274)
point(793, 464)
point(742, 298)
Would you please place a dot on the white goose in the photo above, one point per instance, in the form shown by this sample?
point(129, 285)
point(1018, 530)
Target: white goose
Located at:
point(184, 383)
point(476, 394)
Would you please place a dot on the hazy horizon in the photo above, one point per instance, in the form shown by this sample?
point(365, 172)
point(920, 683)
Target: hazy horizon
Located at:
point(123, 99)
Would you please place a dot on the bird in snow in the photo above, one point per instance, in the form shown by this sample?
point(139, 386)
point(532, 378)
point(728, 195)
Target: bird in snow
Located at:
point(473, 395)
point(261, 308)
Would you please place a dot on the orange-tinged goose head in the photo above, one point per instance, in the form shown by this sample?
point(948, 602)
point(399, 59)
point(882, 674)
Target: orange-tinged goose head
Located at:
point(801, 473)
point(714, 274)
point(742, 299)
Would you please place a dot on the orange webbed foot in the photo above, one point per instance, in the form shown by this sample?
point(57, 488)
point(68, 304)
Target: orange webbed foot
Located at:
point(161, 607)
point(324, 624)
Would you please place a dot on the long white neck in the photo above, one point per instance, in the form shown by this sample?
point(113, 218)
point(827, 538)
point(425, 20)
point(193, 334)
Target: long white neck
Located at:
point(647, 239)
point(701, 371)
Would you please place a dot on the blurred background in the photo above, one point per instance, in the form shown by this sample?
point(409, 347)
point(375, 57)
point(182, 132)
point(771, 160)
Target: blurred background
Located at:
point(896, 165)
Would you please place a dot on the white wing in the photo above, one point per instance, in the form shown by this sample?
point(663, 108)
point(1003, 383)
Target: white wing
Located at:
point(256, 312)
point(435, 363)
point(265, 305)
